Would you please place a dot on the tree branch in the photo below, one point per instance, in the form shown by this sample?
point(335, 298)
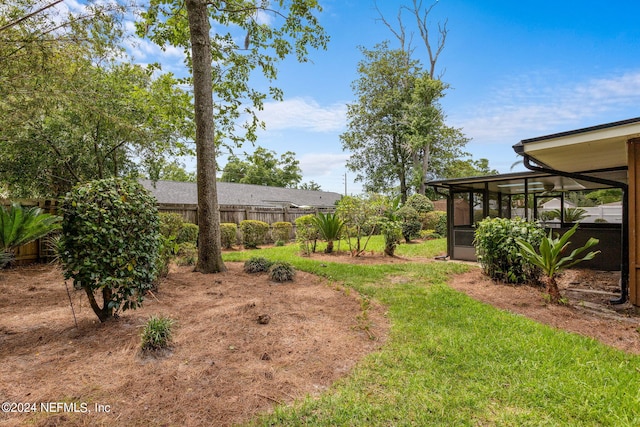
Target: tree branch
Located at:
point(17, 21)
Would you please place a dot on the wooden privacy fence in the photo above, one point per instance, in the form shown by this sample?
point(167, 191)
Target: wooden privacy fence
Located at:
point(40, 250)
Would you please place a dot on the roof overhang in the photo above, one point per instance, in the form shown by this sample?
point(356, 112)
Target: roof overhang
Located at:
point(526, 182)
point(599, 147)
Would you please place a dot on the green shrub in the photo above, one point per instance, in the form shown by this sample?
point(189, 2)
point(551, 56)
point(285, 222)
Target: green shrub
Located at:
point(254, 233)
point(429, 235)
point(167, 250)
point(110, 239)
point(188, 233)
point(281, 271)
point(392, 232)
point(228, 234)
point(420, 203)
point(170, 224)
point(187, 254)
point(441, 223)
point(307, 233)
point(499, 253)
point(429, 220)
point(281, 231)
point(257, 265)
point(411, 224)
point(157, 333)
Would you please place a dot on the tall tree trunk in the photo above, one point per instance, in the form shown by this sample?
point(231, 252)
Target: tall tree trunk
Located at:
point(209, 245)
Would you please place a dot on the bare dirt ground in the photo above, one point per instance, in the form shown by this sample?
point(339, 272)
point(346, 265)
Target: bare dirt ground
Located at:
point(224, 367)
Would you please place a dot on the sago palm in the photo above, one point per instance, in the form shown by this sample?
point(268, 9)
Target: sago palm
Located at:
point(330, 226)
point(552, 259)
point(19, 226)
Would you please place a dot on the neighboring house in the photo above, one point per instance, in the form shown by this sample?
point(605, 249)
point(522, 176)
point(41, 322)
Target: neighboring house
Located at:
point(232, 194)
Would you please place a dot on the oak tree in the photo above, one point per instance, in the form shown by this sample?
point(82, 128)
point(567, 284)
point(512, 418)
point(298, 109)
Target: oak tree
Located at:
point(225, 41)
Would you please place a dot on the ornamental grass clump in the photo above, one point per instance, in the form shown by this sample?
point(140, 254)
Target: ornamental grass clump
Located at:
point(157, 333)
point(499, 253)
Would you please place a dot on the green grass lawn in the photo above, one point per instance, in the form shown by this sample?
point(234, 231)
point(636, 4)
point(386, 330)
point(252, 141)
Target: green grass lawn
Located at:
point(453, 361)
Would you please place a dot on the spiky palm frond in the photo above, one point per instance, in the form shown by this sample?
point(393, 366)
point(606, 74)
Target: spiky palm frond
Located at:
point(20, 225)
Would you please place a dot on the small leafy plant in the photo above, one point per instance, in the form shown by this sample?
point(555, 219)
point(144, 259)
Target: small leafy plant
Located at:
point(157, 333)
point(330, 226)
point(499, 254)
point(552, 258)
point(257, 265)
point(281, 271)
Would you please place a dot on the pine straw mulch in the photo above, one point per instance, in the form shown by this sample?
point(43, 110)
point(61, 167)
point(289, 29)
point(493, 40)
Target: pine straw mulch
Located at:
point(224, 368)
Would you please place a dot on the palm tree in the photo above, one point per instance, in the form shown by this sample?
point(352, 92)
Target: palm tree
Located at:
point(19, 226)
point(551, 258)
point(330, 226)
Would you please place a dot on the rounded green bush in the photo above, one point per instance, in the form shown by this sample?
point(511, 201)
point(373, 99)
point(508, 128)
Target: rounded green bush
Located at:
point(281, 231)
point(411, 224)
point(188, 233)
point(228, 234)
point(420, 203)
point(254, 233)
point(170, 224)
point(110, 240)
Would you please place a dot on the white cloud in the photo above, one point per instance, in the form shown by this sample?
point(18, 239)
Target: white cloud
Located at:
point(322, 164)
point(303, 113)
point(529, 106)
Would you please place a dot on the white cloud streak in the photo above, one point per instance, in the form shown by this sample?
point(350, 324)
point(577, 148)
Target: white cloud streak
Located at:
point(303, 113)
point(528, 107)
point(322, 164)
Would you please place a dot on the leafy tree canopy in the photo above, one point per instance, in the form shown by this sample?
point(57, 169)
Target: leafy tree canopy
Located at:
point(263, 167)
point(74, 108)
point(396, 131)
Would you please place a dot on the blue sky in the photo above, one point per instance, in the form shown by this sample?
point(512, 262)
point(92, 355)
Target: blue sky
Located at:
point(517, 70)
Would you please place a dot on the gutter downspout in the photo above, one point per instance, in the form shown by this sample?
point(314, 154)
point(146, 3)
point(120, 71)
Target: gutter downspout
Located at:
point(624, 263)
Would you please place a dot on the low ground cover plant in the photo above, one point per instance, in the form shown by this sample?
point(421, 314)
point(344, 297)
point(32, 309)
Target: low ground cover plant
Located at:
point(157, 333)
point(257, 264)
point(281, 271)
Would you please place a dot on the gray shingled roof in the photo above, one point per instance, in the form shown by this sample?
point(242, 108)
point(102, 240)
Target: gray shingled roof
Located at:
point(241, 194)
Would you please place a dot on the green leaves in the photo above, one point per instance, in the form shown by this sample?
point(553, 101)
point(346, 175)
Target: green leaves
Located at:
point(111, 241)
point(498, 251)
point(19, 225)
point(551, 250)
